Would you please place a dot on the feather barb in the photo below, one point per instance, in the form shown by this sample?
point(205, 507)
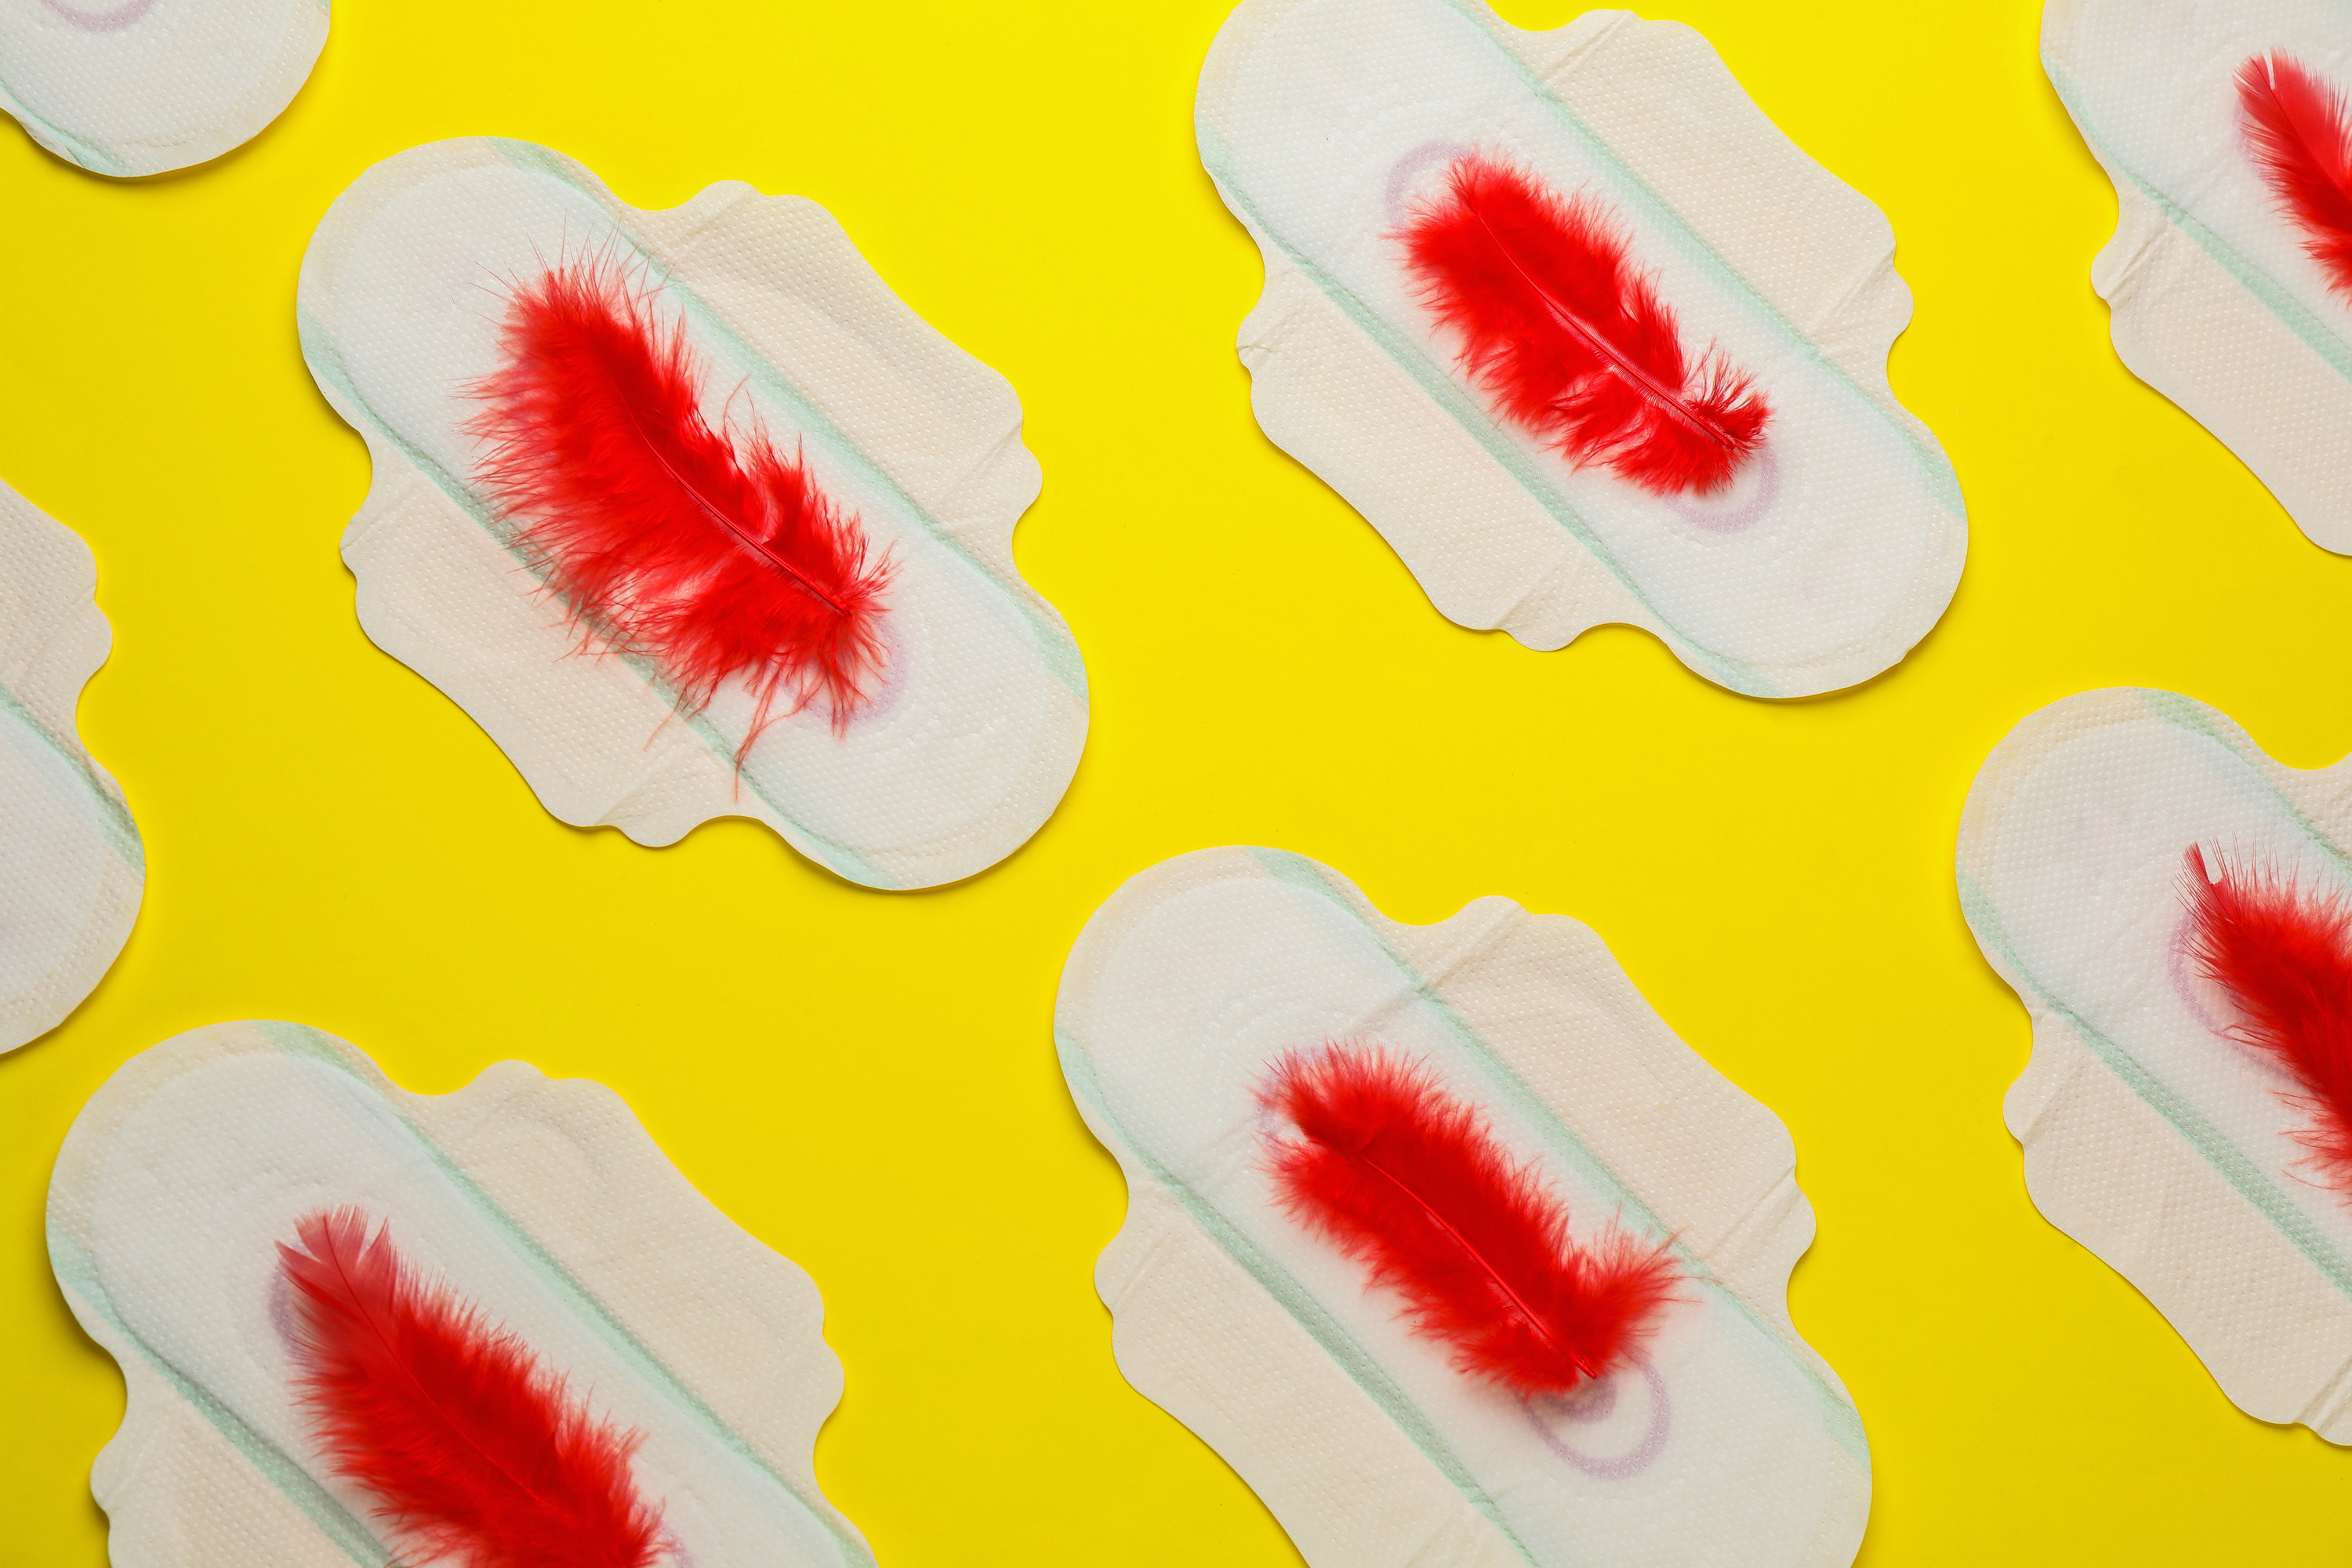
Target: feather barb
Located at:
point(1558, 325)
point(2300, 136)
point(2282, 956)
point(1407, 1180)
point(475, 1452)
point(704, 550)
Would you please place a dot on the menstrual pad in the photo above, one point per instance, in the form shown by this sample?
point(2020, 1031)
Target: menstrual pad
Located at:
point(2152, 1135)
point(973, 729)
point(71, 867)
point(1328, 124)
point(144, 87)
point(540, 1202)
point(1727, 1440)
point(2216, 303)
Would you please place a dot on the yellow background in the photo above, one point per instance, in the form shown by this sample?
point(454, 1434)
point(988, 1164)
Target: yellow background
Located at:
point(867, 1080)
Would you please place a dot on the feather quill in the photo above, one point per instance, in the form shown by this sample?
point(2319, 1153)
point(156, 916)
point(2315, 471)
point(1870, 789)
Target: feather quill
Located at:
point(475, 1454)
point(1569, 338)
point(2300, 137)
point(1405, 1179)
point(704, 550)
point(2282, 955)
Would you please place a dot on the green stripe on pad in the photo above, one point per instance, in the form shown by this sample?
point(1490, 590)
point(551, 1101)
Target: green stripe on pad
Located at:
point(114, 821)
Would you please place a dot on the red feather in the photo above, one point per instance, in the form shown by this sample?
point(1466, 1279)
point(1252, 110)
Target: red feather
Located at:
point(1569, 338)
point(476, 1453)
point(2284, 957)
point(704, 550)
point(2300, 135)
point(1409, 1181)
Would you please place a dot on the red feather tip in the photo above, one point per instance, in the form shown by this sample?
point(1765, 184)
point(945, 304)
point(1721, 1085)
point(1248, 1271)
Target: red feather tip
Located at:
point(1409, 1181)
point(704, 550)
point(1573, 342)
point(2284, 958)
point(2300, 136)
point(475, 1452)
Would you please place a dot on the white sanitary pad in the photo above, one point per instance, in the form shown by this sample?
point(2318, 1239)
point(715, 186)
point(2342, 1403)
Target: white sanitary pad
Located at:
point(71, 865)
point(982, 712)
point(140, 87)
point(542, 1202)
point(2150, 1136)
point(1732, 1445)
point(1831, 552)
point(2215, 304)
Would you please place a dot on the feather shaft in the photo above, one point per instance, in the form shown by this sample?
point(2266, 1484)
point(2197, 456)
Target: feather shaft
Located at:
point(734, 530)
point(1518, 1304)
point(474, 1452)
point(2299, 134)
point(2282, 956)
point(1410, 1181)
point(1666, 400)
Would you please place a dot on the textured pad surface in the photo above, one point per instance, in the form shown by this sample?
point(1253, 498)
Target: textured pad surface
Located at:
point(72, 868)
point(144, 87)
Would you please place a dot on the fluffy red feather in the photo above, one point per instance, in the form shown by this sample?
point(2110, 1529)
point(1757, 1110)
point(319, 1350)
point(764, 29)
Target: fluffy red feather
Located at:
point(1409, 1181)
point(2300, 138)
point(1569, 338)
point(705, 550)
point(2282, 955)
point(475, 1454)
